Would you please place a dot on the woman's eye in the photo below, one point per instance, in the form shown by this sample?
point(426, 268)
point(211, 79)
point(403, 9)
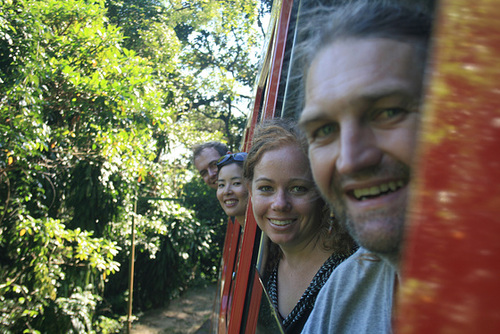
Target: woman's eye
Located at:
point(265, 188)
point(298, 189)
point(220, 185)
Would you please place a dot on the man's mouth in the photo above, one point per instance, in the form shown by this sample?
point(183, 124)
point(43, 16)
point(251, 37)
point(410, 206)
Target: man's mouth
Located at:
point(378, 190)
point(281, 222)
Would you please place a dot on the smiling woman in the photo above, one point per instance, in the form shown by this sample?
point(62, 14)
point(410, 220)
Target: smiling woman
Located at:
point(232, 192)
point(307, 244)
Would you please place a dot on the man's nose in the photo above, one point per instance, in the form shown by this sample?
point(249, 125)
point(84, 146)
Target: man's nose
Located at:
point(212, 171)
point(358, 149)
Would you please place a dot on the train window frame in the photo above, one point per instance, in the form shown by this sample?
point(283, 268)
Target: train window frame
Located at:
point(274, 93)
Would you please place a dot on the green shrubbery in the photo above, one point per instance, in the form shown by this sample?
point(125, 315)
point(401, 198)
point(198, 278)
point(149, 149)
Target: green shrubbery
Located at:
point(52, 277)
point(96, 100)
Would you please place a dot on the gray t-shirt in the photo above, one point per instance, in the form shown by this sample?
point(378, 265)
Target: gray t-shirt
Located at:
point(357, 298)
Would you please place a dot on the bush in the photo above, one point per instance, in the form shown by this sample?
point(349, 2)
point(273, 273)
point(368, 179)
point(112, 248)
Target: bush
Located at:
point(48, 265)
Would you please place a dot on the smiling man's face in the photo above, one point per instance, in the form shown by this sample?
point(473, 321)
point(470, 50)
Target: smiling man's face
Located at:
point(206, 164)
point(361, 117)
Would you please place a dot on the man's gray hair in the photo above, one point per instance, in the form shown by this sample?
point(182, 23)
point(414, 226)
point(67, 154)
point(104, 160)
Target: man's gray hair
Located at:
point(404, 21)
point(221, 148)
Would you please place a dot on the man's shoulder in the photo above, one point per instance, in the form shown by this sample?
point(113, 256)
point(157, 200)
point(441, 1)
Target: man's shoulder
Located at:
point(357, 294)
point(360, 265)
point(360, 276)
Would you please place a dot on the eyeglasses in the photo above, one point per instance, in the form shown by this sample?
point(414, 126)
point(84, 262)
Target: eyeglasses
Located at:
point(226, 159)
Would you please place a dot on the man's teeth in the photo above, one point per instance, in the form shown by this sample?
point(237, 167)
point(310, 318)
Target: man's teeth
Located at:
point(280, 222)
point(377, 190)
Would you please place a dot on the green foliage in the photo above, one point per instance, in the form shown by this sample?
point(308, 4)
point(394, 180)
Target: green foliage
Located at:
point(204, 203)
point(210, 58)
point(97, 99)
point(48, 267)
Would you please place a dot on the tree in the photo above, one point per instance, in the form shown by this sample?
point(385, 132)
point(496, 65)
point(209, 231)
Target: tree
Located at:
point(213, 46)
point(93, 111)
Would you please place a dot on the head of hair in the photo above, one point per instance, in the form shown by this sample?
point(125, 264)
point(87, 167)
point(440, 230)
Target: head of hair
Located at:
point(405, 21)
point(221, 148)
point(365, 19)
point(232, 160)
point(270, 135)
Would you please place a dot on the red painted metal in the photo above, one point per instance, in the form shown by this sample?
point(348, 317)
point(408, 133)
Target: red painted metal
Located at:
point(277, 60)
point(254, 118)
point(452, 270)
point(229, 265)
point(246, 266)
point(217, 312)
point(244, 270)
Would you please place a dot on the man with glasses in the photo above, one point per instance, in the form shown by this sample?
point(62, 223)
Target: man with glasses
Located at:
point(205, 157)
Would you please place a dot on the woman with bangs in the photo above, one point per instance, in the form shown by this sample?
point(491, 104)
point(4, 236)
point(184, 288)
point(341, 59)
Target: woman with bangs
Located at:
point(307, 243)
point(232, 192)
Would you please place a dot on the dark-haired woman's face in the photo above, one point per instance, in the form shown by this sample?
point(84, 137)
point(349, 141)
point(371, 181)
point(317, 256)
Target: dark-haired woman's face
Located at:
point(231, 190)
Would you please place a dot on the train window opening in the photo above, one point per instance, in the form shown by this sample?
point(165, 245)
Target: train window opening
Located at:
point(280, 95)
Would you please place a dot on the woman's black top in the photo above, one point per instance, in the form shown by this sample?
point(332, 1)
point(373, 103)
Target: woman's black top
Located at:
point(294, 322)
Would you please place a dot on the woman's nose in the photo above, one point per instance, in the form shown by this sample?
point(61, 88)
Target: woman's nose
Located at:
point(281, 201)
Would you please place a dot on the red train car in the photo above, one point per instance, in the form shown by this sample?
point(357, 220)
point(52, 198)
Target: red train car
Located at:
point(451, 263)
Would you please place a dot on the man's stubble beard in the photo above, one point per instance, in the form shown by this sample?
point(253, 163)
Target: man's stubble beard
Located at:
point(382, 243)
